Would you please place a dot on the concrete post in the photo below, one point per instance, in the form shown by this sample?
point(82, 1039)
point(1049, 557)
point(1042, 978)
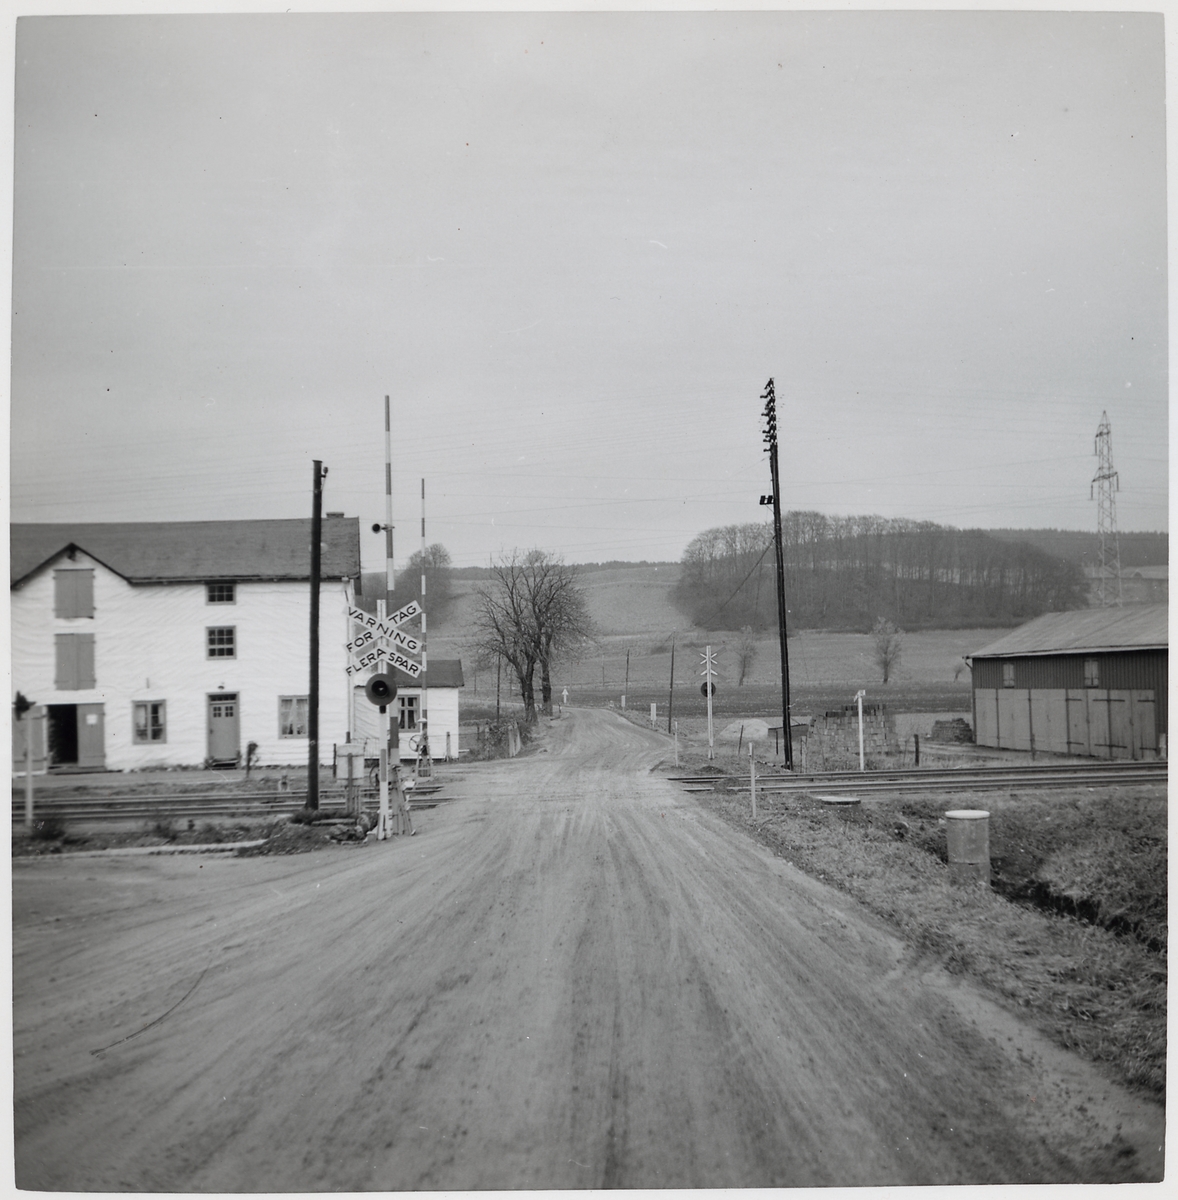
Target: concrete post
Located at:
point(967, 831)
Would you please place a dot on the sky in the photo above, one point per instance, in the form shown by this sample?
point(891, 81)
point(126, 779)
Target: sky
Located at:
point(572, 248)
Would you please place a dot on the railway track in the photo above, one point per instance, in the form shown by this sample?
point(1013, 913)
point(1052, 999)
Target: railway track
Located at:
point(1113, 774)
point(255, 806)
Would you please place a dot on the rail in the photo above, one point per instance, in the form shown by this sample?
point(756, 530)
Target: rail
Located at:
point(1106, 774)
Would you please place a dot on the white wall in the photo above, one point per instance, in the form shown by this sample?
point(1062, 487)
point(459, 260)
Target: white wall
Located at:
point(442, 714)
point(150, 644)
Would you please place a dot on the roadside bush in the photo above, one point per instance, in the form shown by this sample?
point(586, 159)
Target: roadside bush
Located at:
point(493, 738)
point(163, 826)
point(49, 829)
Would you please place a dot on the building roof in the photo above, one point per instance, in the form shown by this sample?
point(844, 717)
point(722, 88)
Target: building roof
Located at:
point(187, 551)
point(441, 672)
point(1086, 631)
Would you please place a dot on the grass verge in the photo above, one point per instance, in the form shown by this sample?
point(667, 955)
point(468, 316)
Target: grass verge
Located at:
point(1091, 989)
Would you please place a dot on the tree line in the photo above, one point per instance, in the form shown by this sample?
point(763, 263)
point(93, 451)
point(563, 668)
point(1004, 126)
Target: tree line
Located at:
point(847, 572)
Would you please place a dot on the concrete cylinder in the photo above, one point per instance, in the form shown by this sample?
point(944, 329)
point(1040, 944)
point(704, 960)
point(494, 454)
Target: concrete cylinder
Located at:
point(968, 834)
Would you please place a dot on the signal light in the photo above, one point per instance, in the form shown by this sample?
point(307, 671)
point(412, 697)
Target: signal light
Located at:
point(381, 690)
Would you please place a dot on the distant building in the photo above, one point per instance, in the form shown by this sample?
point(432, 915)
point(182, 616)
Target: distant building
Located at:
point(1092, 682)
point(444, 680)
point(178, 643)
point(1139, 585)
point(442, 686)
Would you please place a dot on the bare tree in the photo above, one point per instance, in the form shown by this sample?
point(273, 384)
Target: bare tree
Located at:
point(888, 644)
point(530, 612)
point(746, 653)
point(435, 565)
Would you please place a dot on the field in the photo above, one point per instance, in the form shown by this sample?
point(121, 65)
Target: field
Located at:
point(630, 655)
point(825, 669)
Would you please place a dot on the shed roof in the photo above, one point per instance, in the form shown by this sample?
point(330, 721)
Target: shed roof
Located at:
point(1086, 631)
point(186, 551)
point(440, 673)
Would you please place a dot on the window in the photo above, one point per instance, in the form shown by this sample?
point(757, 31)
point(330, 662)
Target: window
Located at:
point(1091, 672)
point(221, 593)
point(75, 662)
point(73, 593)
point(1008, 674)
point(408, 706)
point(150, 721)
point(292, 716)
point(222, 641)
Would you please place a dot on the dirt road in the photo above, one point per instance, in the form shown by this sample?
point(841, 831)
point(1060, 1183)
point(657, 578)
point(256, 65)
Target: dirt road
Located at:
point(573, 977)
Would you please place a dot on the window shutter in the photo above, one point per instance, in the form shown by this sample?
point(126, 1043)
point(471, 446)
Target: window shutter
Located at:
point(73, 593)
point(75, 662)
point(66, 679)
point(85, 593)
point(85, 660)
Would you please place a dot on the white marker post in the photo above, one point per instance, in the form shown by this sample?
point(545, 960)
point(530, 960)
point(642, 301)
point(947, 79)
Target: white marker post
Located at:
point(753, 780)
point(859, 696)
point(676, 725)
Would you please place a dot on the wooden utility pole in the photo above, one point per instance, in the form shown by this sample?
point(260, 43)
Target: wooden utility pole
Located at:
point(390, 582)
point(425, 763)
point(770, 413)
point(313, 697)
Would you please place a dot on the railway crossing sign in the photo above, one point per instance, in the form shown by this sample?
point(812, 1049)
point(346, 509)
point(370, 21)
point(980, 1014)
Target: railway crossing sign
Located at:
point(365, 646)
point(377, 655)
point(385, 628)
point(367, 637)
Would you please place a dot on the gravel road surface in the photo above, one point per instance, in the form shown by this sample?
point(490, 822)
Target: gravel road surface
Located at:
point(574, 976)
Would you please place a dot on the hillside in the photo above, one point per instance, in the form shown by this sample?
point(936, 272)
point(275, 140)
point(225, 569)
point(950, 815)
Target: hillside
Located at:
point(1083, 547)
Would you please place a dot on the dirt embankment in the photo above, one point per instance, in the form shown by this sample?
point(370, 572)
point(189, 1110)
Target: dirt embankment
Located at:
point(575, 976)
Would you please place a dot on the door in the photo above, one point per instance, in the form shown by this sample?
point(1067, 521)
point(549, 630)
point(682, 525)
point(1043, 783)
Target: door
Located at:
point(224, 727)
point(29, 728)
point(91, 741)
point(63, 734)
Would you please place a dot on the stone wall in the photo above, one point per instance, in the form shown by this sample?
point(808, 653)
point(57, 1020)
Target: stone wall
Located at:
point(834, 737)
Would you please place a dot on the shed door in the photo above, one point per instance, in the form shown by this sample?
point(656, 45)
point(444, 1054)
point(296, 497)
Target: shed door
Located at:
point(224, 727)
point(1145, 729)
point(91, 740)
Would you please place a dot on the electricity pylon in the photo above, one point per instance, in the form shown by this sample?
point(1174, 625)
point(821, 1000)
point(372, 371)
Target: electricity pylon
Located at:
point(1109, 586)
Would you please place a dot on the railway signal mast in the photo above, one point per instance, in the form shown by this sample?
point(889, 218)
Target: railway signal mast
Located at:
point(708, 661)
point(1109, 483)
point(770, 439)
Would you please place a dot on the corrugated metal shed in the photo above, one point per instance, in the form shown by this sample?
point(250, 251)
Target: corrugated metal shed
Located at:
point(1086, 631)
point(187, 551)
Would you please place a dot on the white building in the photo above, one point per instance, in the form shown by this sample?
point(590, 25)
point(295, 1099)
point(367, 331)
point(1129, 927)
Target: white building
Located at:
point(441, 696)
point(179, 643)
